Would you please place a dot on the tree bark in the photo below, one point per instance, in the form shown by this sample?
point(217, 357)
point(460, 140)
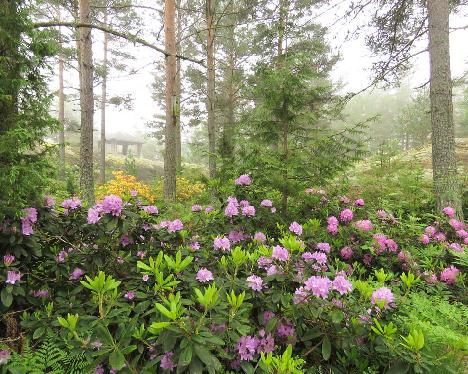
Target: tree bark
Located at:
point(178, 89)
point(61, 115)
point(102, 159)
point(87, 106)
point(446, 188)
point(170, 162)
point(210, 97)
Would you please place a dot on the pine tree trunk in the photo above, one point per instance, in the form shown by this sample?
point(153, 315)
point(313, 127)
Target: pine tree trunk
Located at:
point(178, 89)
point(446, 187)
point(87, 105)
point(61, 111)
point(102, 158)
point(210, 97)
point(170, 162)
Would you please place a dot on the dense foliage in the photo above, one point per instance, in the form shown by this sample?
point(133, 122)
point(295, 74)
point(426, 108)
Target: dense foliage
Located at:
point(235, 287)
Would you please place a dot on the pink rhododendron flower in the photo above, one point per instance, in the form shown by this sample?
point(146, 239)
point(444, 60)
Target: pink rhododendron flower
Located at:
point(430, 230)
point(264, 262)
point(332, 229)
point(364, 225)
point(49, 202)
point(425, 239)
point(93, 216)
point(232, 208)
point(175, 225)
point(449, 212)
point(319, 286)
point(8, 259)
point(457, 225)
point(307, 256)
point(130, 295)
point(243, 180)
point(344, 199)
point(383, 294)
point(342, 285)
point(295, 228)
point(76, 274)
point(13, 277)
point(346, 253)
point(209, 209)
point(332, 220)
point(280, 253)
point(260, 237)
point(320, 257)
point(285, 329)
point(236, 236)
point(166, 362)
point(300, 295)
point(145, 278)
point(359, 202)
point(266, 342)
point(246, 347)
point(133, 193)
point(204, 275)
point(244, 203)
point(346, 215)
point(456, 247)
point(273, 210)
point(248, 211)
point(222, 243)
point(150, 209)
point(125, 240)
point(449, 275)
point(62, 256)
point(324, 247)
point(266, 203)
point(272, 270)
point(267, 315)
point(255, 282)
point(41, 293)
point(71, 204)
point(196, 208)
point(462, 233)
point(195, 246)
point(112, 204)
point(440, 237)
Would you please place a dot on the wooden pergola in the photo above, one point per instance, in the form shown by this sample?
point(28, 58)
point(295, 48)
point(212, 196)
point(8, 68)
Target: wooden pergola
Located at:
point(114, 142)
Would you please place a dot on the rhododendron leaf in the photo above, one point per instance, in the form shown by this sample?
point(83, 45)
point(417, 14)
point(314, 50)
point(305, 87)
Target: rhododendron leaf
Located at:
point(337, 316)
point(196, 367)
point(326, 348)
point(247, 367)
point(311, 334)
point(6, 297)
point(116, 360)
point(185, 356)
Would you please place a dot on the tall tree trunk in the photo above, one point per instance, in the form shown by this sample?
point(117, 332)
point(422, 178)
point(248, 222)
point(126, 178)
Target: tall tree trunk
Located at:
point(87, 105)
point(227, 146)
point(178, 89)
point(102, 158)
point(210, 97)
point(446, 187)
point(61, 115)
point(170, 162)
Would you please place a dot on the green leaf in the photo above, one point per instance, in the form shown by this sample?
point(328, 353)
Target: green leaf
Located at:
point(185, 356)
point(204, 355)
point(326, 348)
point(6, 297)
point(117, 360)
point(399, 367)
point(39, 332)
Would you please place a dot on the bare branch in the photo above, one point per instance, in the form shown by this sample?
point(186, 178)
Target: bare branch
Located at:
point(129, 37)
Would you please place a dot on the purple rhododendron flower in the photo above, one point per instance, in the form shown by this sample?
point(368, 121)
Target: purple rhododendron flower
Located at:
point(264, 262)
point(49, 202)
point(272, 270)
point(76, 274)
point(359, 202)
point(166, 362)
point(130, 295)
point(266, 203)
point(346, 215)
point(204, 275)
point(449, 211)
point(456, 247)
point(41, 293)
point(232, 208)
point(324, 247)
point(248, 211)
point(320, 257)
point(209, 209)
point(260, 237)
point(243, 180)
point(175, 225)
point(246, 347)
point(8, 259)
point(342, 285)
point(71, 204)
point(112, 204)
point(13, 277)
point(449, 275)
point(236, 236)
point(4, 356)
point(222, 243)
point(457, 225)
point(346, 253)
point(285, 329)
point(62, 256)
point(364, 225)
point(280, 253)
point(425, 239)
point(266, 342)
point(300, 295)
point(295, 228)
point(430, 230)
point(195, 246)
point(255, 282)
point(244, 203)
point(383, 294)
point(307, 256)
point(267, 315)
point(145, 278)
point(150, 209)
point(319, 286)
point(93, 216)
point(196, 208)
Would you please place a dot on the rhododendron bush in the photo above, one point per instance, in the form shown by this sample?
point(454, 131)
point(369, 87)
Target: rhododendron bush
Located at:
point(234, 287)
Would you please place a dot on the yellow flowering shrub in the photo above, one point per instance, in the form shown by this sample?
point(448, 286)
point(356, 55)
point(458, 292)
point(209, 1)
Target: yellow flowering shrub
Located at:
point(185, 189)
point(121, 186)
